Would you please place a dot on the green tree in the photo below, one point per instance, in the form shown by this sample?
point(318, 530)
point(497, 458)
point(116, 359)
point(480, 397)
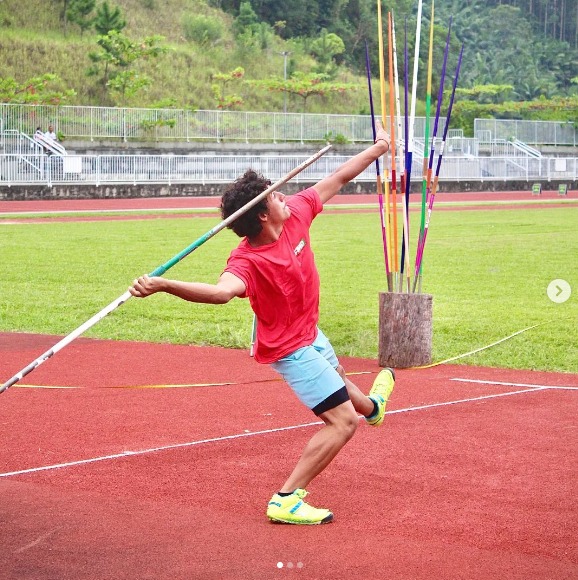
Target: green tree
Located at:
point(401, 8)
point(127, 83)
point(247, 19)
point(251, 34)
point(305, 86)
point(327, 47)
point(556, 109)
point(330, 12)
point(486, 93)
point(358, 24)
point(300, 16)
point(512, 43)
point(219, 89)
point(119, 54)
point(108, 19)
point(34, 91)
point(204, 30)
point(79, 12)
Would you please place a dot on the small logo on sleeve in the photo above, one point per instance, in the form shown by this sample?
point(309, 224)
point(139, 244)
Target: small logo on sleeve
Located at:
point(299, 248)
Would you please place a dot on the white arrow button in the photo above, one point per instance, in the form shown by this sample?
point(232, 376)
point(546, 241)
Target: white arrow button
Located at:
point(559, 291)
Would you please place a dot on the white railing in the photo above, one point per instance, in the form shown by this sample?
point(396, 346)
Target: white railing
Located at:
point(49, 145)
point(100, 123)
point(105, 123)
point(16, 143)
point(533, 132)
point(505, 148)
point(138, 169)
point(510, 168)
point(526, 149)
point(31, 168)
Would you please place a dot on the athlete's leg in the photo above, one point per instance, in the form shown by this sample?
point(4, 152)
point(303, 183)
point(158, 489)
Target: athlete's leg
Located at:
point(340, 425)
point(362, 403)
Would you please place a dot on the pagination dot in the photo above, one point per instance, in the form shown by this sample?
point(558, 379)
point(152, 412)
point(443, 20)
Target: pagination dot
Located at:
point(290, 565)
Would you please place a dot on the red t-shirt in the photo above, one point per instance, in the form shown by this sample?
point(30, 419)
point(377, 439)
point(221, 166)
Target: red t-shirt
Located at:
point(282, 282)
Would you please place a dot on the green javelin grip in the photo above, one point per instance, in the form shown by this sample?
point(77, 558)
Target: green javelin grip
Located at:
point(160, 271)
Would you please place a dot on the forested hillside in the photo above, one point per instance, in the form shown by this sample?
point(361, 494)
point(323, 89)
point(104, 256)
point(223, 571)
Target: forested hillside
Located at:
point(272, 55)
point(530, 44)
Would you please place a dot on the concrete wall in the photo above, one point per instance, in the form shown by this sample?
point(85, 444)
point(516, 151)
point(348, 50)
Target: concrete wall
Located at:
point(203, 148)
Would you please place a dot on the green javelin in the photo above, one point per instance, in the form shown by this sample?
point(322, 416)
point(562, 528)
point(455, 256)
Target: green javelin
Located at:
point(426, 171)
point(159, 272)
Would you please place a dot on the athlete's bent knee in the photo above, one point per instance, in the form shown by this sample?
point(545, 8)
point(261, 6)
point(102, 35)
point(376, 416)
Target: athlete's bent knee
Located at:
point(343, 418)
point(349, 425)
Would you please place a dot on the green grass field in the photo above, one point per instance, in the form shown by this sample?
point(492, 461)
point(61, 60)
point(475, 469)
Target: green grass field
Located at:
point(487, 270)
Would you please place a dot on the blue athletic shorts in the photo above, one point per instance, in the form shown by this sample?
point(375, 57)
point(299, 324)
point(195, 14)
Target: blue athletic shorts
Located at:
point(310, 371)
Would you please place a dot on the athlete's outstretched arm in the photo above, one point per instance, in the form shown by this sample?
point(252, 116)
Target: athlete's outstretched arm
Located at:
point(330, 185)
point(227, 288)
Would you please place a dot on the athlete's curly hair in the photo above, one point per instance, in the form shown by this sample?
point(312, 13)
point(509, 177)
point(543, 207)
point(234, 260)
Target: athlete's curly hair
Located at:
point(238, 194)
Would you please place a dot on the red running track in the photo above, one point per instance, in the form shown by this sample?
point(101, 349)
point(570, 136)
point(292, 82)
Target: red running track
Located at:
point(111, 480)
point(152, 203)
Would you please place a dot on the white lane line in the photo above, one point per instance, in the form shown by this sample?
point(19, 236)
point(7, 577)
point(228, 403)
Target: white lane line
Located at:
point(251, 434)
point(36, 542)
point(201, 209)
point(155, 449)
point(152, 210)
point(504, 384)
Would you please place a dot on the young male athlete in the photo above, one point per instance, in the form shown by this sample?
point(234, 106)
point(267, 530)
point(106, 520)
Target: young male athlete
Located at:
point(275, 268)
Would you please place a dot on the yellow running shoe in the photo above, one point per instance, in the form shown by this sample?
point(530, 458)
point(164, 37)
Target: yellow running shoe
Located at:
point(379, 393)
point(291, 509)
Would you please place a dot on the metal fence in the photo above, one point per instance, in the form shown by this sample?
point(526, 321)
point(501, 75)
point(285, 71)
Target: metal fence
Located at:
point(510, 169)
point(32, 168)
point(22, 160)
point(124, 124)
point(98, 123)
point(140, 169)
point(532, 132)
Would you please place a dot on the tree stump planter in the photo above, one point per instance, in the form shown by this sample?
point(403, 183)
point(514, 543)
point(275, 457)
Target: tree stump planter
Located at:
point(405, 330)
